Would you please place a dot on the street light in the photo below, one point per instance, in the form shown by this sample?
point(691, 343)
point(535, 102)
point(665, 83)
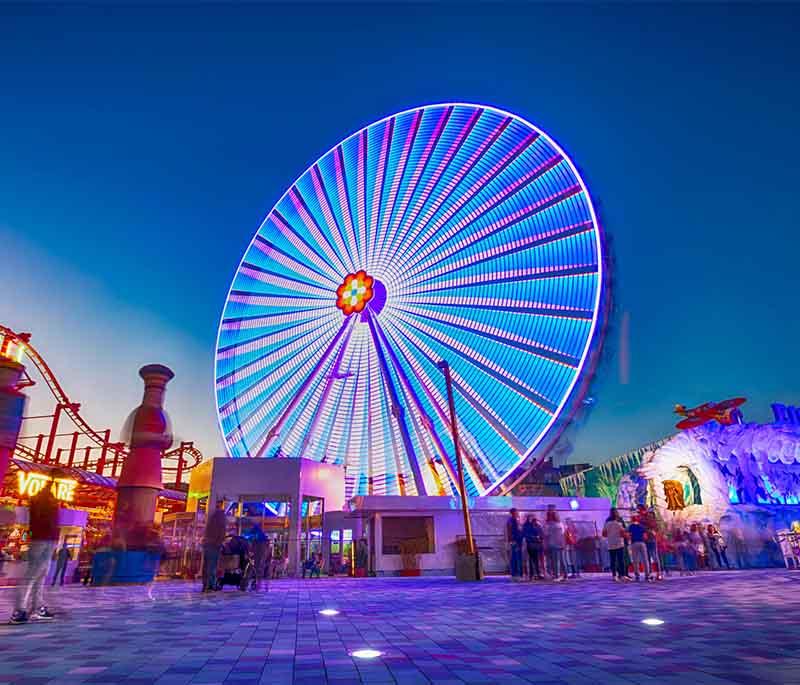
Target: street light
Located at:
point(445, 369)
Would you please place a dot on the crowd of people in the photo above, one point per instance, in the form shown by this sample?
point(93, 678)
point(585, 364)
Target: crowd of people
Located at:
point(641, 548)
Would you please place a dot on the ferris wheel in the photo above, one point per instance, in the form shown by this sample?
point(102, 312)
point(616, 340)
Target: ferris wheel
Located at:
point(452, 232)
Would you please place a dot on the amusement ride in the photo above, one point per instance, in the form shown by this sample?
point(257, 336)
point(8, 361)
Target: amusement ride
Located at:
point(449, 236)
point(83, 447)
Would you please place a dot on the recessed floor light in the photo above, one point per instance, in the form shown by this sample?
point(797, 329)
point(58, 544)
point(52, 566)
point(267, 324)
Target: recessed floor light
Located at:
point(652, 621)
point(366, 653)
point(329, 612)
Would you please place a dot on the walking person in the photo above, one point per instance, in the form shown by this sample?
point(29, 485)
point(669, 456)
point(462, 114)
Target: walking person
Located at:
point(43, 523)
point(614, 533)
point(638, 535)
point(571, 549)
point(654, 536)
point(514, 543)
point(718, 546)
point(213, 538)
point(62, 557)
point(554, 543)
point(697, 548)
point(534, 539)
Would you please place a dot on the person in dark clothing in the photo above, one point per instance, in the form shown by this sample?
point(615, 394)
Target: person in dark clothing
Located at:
point(514, 542)
point(533, 534)
point(62, 557)
point(718, 546)
point(214, 536)
point(43, 523)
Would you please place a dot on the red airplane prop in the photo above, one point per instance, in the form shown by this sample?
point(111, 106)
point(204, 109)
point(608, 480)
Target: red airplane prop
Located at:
point(725, 413)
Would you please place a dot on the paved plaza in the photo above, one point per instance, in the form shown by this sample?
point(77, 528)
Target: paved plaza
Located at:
point(724, 627)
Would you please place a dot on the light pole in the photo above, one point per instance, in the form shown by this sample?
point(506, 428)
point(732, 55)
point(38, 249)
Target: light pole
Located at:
point(445, 368)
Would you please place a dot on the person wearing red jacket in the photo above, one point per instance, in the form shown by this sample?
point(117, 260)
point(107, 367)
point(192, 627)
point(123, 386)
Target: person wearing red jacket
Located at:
point(43, 524)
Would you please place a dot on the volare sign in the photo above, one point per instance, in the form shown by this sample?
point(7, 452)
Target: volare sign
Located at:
point(31, 484)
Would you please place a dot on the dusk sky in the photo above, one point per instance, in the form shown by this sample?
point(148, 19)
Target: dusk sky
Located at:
point(141, 148)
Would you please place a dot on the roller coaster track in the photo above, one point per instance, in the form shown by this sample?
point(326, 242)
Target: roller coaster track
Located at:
point(186, 451)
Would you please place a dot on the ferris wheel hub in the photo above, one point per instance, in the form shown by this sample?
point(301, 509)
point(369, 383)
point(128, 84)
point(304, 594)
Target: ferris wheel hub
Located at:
point(355, 292)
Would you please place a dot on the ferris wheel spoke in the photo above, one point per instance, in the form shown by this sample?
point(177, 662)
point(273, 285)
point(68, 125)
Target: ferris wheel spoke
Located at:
point(324, 201)
point(238, 323)
point(449, 190)
point(403, 371)
point(245, 347)
point(510, 276)
point(361, 217)
point(286, 230)
point(314, 228)
point(494, 254)
point(432, 186)
point(290, 283)
point(345, 207)
point(328, 385)
point(397, 177)
point(429, 255)
point(271, 251)
point(475, 471)
point(398, 411)
point(302, 335)
point(479, 186)
point(491, 418)
point(486, 366)
point(378, 185)
point(303, 350)
point(413, 183)
point(504, 337)
point(271, 433)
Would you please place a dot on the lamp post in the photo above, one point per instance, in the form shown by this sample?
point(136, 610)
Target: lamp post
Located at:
point(445, 368)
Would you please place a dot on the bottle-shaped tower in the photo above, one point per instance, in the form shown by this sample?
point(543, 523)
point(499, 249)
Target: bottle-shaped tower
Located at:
point(140, 481)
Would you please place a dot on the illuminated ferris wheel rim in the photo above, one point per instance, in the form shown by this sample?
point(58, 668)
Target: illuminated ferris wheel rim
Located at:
point(569, 396)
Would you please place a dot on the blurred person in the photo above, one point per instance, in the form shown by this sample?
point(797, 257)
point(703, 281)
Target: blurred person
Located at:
point(214, 536)
point(654, 536)
point(534, 539)
point(718, 545)
point(638, 535)
point(614, 533)
point(554, 543)
point(514, 543)
point(44, 532)
point(571, 549)
point(62, 557)
point(260, 545)
point(697, 546)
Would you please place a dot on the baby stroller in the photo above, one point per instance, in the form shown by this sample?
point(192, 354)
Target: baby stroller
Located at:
point(236, 564)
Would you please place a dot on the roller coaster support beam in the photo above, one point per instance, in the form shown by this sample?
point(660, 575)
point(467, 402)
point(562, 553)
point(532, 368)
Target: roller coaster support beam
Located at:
point(398, 411)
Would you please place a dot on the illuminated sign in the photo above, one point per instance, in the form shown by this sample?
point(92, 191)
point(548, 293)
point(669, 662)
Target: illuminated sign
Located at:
point(31, 484)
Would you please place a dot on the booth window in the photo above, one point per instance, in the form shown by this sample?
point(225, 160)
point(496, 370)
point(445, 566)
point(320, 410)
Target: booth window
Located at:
point(398, 530)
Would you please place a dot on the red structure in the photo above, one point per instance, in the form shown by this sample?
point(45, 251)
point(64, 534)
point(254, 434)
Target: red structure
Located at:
point(140, 482)
point(81, 447)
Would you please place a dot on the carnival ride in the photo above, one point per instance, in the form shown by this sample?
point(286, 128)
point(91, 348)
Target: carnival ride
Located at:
point(449, 232)
point(87, 449)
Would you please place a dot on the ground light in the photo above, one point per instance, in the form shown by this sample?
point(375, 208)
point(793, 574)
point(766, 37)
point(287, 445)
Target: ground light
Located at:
point(652, 621)
point(366, 653)
point(329, 612)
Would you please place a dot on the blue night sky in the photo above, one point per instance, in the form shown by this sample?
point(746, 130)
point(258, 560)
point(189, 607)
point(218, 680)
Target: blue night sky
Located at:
point(141, 148)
